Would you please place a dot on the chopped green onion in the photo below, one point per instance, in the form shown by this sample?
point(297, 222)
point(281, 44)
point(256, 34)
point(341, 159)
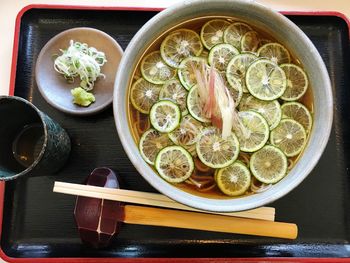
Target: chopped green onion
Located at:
point(83, 61)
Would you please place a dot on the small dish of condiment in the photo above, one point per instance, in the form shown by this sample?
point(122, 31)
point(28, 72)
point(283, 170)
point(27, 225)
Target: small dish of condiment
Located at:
point(75, 70)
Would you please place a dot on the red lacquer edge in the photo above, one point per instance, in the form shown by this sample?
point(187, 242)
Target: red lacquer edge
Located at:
point(320, 13)
point(141, 260)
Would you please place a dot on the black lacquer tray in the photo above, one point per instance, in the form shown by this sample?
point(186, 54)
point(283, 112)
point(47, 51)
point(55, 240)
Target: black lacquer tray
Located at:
point(38, 223)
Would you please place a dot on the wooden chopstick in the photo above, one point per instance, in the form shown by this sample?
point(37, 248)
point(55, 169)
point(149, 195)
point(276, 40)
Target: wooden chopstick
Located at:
point(151, 199)
point(191, 220)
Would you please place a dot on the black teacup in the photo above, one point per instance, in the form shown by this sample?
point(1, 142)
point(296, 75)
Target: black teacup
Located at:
point(30, 141)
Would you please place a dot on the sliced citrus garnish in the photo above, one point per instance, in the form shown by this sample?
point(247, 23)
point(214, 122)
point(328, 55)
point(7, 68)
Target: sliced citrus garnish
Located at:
point(174, 91)
point(155, 70)
point(179, 45)
point(297, 82)
point(237, 67)
point(151, 142)
point(298, 112)
point(265, 80)
point(234, 179)
point(188, 131)
point(144, 94)
point(236, 93)
point(250, 41)
point(276, 52)
point(187, 69)
point(269, 164)
point(220, 55)
point(270, 110)
point(264, 41)
point(289, 136)
point(194, 107)
point(165, 116)
point(214, 151)
point(204, 54)
point(234, 33)
point(255, 133)
point(245, 96)
point(212, 32)
point(174, 164)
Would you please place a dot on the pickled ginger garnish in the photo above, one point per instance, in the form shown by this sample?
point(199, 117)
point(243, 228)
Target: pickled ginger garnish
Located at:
point(202, 79)
point(216, 101)
point(225, 104)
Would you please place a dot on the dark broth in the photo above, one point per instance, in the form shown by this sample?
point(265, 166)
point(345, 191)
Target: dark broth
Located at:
point(139, 122)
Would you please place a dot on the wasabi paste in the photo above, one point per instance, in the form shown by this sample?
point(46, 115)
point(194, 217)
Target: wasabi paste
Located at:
point(82, 97)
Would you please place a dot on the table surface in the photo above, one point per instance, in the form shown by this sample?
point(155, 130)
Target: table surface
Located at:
point(10, 9)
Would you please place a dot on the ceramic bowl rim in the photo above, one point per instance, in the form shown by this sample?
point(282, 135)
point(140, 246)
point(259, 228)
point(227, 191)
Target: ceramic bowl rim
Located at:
point(230, 205)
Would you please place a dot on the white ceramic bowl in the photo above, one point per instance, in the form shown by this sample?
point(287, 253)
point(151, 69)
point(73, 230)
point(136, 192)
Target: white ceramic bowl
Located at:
point(285, 32)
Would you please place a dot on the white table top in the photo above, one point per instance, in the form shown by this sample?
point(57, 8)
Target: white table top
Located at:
point(10, 9)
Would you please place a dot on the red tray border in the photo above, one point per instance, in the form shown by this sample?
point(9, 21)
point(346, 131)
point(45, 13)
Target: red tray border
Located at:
point(141, 260)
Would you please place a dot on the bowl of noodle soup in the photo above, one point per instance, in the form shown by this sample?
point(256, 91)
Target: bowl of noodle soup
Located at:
point(202, 132)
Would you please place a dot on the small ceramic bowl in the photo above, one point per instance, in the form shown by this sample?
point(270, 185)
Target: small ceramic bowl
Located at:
point(285, 32)
point(54, 87)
